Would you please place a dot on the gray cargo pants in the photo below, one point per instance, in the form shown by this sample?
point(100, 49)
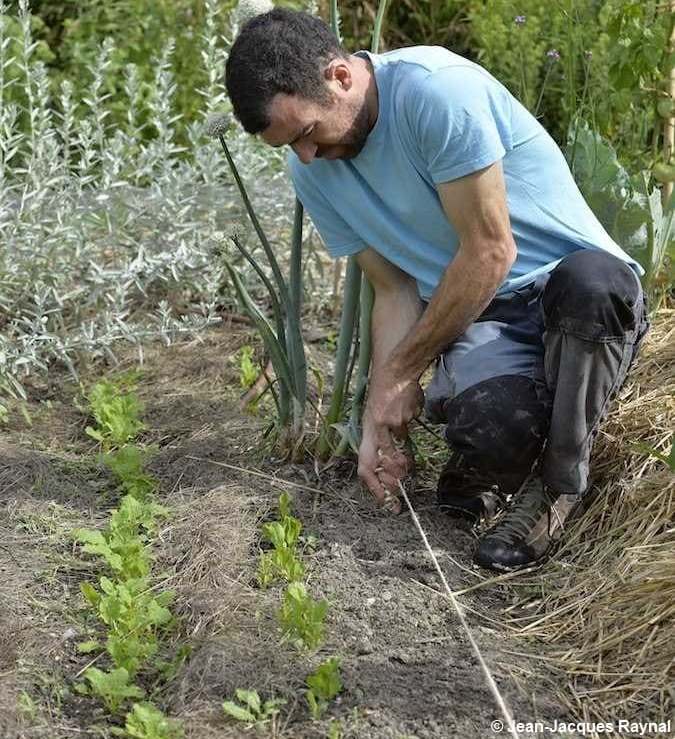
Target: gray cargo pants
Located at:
point(538, 370)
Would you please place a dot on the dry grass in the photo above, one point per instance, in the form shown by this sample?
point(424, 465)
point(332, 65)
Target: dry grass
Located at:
point(209, 546)
point(212, 548)
point(605, 605)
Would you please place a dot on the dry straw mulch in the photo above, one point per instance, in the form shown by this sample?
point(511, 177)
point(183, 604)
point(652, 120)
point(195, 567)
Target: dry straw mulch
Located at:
point(605, 604)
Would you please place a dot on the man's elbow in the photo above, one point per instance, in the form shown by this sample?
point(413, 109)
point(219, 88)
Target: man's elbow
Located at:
point(509, 253)
point(498, 256)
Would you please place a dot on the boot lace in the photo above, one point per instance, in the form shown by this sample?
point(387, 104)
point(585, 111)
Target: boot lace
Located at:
point(524, 514)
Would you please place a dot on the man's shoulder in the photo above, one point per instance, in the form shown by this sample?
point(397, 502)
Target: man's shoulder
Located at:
point(420, 58)
point(418, 66)
point(429, 76)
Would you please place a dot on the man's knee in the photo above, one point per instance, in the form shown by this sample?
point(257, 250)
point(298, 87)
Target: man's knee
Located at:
point(499, 424)
point(592, 294)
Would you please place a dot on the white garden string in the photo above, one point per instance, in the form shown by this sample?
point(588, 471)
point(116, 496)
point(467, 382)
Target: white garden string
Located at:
point(488, 675)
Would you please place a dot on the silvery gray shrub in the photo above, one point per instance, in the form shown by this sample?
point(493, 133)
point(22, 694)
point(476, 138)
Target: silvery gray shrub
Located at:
point(107, 237)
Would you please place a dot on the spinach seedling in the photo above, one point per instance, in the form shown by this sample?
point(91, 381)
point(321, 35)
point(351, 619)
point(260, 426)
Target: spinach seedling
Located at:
point(146, 721)
point(113, 687)
point(251, 709)
point(324, 684)
point(302, 617)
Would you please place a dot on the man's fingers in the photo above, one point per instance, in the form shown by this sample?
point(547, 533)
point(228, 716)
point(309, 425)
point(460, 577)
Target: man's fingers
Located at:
point(371, 480)
point(380, 485)
point(384, 442)
point(387, 480)
point(397, 464)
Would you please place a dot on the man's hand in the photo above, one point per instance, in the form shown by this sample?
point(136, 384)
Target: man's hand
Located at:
point(381, 471)
point(391, 407)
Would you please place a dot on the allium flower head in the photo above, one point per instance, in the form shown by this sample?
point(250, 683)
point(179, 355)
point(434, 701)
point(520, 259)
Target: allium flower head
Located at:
point(248, 9)
point(588, 54)
point(520, 20)
point(217, 125)
point(553, 55)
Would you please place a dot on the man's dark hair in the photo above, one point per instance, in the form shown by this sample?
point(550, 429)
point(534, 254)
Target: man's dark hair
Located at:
point(280, 51)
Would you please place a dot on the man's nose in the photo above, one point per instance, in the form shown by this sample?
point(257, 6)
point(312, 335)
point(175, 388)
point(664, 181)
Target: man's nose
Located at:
point(305, 150)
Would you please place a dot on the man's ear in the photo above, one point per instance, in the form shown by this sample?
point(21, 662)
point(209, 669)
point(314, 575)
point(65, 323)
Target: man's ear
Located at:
point(338, 71)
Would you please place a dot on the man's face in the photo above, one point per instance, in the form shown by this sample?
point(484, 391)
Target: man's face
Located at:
point(337, 129)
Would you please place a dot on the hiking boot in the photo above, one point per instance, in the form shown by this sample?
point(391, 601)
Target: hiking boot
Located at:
point(524, 535)
point(463, 491)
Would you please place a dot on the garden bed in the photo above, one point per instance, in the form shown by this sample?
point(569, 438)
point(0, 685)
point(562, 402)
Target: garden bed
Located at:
point(407, 668)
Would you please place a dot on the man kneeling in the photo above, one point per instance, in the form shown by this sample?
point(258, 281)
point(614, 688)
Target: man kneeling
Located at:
point(484, 257)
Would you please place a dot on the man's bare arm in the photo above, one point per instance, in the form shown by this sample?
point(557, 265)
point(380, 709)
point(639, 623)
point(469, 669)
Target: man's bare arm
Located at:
point(396, 309)
point(476, 206)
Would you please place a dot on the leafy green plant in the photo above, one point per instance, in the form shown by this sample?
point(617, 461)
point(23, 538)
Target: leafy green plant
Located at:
point(133, 611)
point(133, 616)
point(146, 721)
point(301, 617)
point(251, 709)
point(72, 31)
point(114, 687)
point(248, 372)
point(639, 63)
point(282, 561)
point(626, 206)
point(279, 563)
point(126, 556)
point(124, 545)
point(324, 684)
point(117, 415)
point(127, 464)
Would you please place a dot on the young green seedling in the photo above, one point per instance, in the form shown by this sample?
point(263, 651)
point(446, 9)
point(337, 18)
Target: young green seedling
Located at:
point(250, 709)
point(302, 617)
point(117, 415)
point(114, 687)
point(335, 729)
point(146, 721)
point(133, 611)
point(282, 561)
point(248, 373)
point(127, 464)
point(324, 684)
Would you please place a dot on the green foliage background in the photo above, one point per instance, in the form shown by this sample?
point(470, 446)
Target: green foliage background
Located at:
point(604, 63)
point(70, 34)
point(616, 85)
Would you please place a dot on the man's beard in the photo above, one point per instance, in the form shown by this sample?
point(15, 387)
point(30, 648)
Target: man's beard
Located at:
point(355, 138)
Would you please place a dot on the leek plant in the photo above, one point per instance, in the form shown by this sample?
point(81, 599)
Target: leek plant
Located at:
point(282, 337)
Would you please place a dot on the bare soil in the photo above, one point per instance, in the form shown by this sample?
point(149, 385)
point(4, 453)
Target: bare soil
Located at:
point(407, 667)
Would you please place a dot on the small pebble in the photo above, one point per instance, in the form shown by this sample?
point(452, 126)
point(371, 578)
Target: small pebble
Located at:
point(387, 595)
point(364, 647)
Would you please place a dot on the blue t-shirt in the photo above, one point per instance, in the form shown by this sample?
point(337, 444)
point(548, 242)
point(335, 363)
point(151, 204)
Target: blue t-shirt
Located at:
point(442, 117)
